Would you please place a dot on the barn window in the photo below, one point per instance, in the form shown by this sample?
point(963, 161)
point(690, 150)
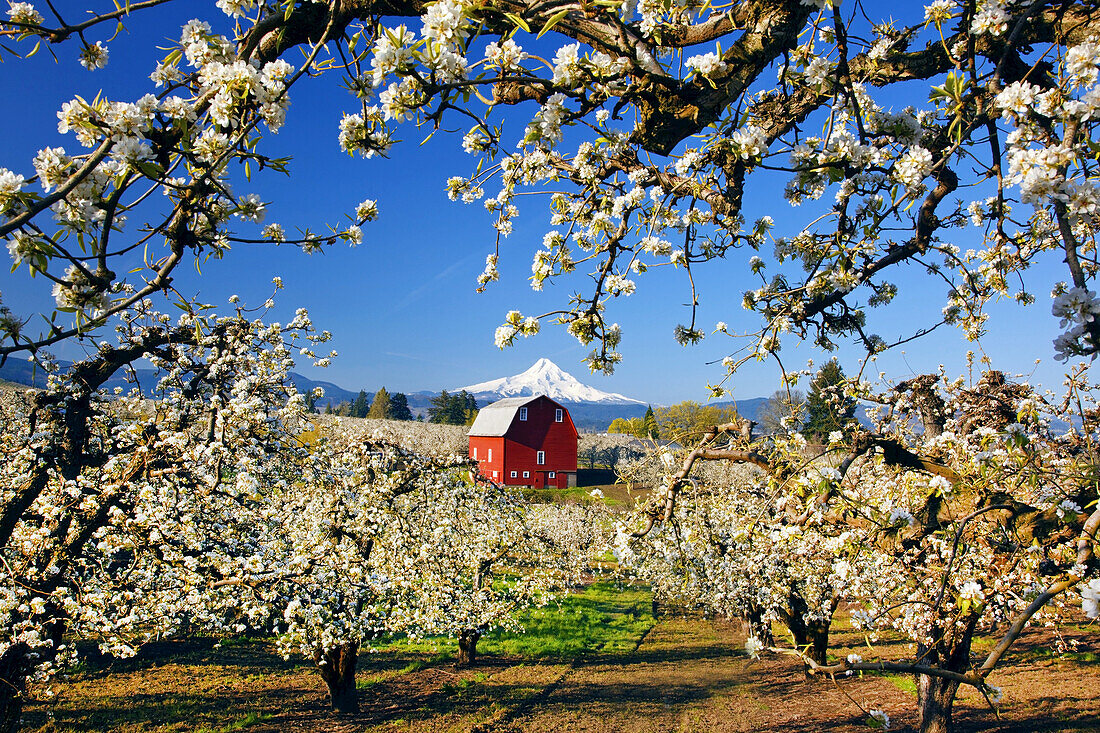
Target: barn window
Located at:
point(495, 475)
point(551, 474)
point(523, 413)
point(541, 458)
point(490, 458)
point(558, 417)
point(527, 474)
point(473, 452)
point(513, 474)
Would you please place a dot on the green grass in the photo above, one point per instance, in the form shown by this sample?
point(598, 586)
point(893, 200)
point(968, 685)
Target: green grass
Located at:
point(459, 686)
point(553, 495)
point(238, 724)
point(365, 683)
point(1048, 653)
point(228, 642)
point(903, 683)
point(576, 495)
point(602, 619)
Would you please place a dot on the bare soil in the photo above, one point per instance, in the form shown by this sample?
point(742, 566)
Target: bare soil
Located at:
point(686, 674)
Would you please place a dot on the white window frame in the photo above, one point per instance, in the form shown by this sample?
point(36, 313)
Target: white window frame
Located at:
point(559, 415)
point(551, 474)
point(495, 475)
point(523, 414)
point(527, 474)
point(473, 452)
point(540, 458)
point(490, 458)
point(513, 474)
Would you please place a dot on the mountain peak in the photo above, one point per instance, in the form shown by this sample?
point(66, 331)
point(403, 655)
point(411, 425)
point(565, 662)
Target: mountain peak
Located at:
point(546, 378)
point(543, 364)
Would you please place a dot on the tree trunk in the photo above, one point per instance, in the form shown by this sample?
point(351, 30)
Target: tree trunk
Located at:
point(467, 647)
point(17, 665)
point(337, 667)
point(935, 696)
point(819, 642)
point(15, 668)
point(813, 637)
point(758, 627)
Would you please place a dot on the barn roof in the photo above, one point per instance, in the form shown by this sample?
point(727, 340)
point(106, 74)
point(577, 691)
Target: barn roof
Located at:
point(493, 420)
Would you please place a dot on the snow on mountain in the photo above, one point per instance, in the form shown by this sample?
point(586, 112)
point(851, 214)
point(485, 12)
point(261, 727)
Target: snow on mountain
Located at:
point(547, 378)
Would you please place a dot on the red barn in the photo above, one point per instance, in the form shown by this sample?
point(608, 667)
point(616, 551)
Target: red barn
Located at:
point(526, 441)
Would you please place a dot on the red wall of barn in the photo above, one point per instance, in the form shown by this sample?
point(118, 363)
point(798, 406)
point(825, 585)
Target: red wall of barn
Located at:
point(518, 449)
point(482, 445)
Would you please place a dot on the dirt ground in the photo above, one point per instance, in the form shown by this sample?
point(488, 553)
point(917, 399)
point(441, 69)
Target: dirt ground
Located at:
point(685, 674)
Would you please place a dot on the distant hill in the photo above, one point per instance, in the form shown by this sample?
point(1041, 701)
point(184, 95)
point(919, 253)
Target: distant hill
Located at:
point(594, 418)
point(334, 394)
point(29, 374)
point(749, 408)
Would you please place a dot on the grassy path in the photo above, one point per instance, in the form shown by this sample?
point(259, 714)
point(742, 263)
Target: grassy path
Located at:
point(597, 664)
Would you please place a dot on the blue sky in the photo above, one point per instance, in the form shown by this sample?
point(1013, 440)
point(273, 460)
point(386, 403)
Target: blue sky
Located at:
point(403, 307)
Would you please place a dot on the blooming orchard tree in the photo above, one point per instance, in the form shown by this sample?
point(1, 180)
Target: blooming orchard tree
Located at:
point(645, 124)
point(677, 110)
point(83, 473)
point(202, 509)
point(962, 513)
point(609, 449)
point(438, 440)
point(727, 548)
point(381, 541)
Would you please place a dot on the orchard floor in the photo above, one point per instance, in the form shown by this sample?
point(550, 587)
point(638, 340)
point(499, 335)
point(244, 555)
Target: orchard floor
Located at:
point(676, 674)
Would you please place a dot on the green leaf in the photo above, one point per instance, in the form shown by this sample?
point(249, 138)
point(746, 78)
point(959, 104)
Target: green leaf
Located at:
point(518, 21)
point(554, 19)
point(150, 169)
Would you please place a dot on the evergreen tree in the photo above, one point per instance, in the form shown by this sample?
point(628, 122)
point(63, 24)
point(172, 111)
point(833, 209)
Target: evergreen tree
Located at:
point(469, 408)
point(453, 409)
point(649, 423)
point(399, 407)
point(360, 407)
point(311, 401)
point(437, 408)
point(380, 407)
point(827, 407)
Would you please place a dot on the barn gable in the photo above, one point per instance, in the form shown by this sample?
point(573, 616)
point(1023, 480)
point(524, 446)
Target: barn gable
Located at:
point(495, 419)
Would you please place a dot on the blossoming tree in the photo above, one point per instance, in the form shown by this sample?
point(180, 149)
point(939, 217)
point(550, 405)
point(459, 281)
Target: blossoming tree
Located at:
point(677, 113)
point(962, 513)
point(645, 124)
point(81, 468)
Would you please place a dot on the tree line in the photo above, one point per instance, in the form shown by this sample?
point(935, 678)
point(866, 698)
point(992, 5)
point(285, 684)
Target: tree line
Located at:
point(445, 409)
point(382, 406)
point(827, 409)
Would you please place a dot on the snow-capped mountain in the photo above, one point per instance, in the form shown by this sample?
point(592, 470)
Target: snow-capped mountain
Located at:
point(547, 378)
